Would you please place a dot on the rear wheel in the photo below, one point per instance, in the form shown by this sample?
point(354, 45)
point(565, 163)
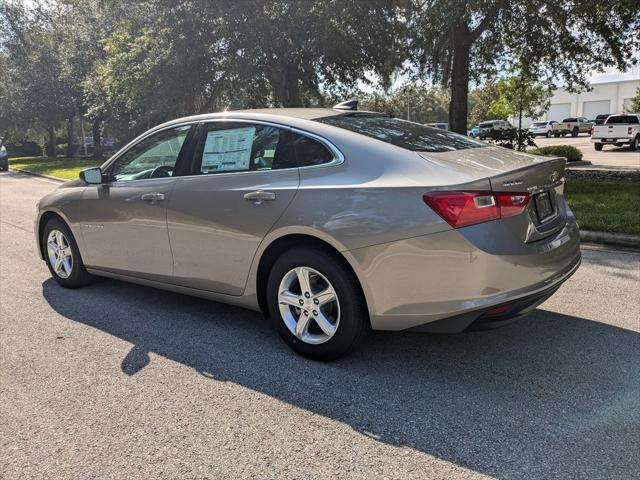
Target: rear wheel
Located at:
point(635, 144)
point(62, 255)
point(575, 132)
point(597, 146)
point(316, 303)
point(548, 134)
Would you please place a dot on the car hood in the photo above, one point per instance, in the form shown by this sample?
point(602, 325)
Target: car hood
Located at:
point(482, 162)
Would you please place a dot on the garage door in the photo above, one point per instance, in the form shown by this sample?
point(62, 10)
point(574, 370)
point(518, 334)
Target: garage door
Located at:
point(591, 109)
point(559, 111)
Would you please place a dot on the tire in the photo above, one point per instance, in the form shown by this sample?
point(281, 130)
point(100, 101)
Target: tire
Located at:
point(347, 313)
point(548, 134)
point(557, 135)
point(74, 277)
point(597, 146)
point(635, 144)
point(575, 132)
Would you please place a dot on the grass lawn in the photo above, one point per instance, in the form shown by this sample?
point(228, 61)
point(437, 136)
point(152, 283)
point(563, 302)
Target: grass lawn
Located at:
point(605, 205)
point(60, 167)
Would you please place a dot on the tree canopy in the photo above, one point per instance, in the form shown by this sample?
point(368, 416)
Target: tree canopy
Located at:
point(126, 66)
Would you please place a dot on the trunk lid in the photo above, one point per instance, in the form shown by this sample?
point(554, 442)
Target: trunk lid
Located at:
point(508, 171)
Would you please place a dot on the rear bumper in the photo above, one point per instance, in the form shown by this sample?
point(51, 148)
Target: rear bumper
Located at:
point(610, 140)
point(452, 278)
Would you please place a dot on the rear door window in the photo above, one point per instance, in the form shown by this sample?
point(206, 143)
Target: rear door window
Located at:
point(243, 147)
point(404, 134)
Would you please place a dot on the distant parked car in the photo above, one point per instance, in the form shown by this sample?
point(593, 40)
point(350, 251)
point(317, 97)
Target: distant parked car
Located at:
point(542, 128)
point(474, 132)
point(486, 128)
point(4, 157)
point(617, 130)
point(572, 125)
point(440, 125)
point(600, 119)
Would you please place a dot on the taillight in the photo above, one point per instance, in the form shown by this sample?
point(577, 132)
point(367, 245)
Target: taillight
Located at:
point(629, 130)
point(592, 130)
point(460, 209)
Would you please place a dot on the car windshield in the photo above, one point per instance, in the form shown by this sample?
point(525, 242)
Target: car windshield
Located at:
point(622, 119)
point(404, 134)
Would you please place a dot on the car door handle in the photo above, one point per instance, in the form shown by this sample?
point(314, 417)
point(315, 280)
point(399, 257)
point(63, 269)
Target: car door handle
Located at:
point(260, 196)
point(153, 197)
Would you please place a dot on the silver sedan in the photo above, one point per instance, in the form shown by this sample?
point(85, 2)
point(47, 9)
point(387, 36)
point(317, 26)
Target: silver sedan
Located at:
point(330, 221)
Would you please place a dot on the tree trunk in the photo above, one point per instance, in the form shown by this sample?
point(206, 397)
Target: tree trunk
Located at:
point(50, 147)
point(97, 138)
point(287, 89)
point(458, 106)
point(69, 152)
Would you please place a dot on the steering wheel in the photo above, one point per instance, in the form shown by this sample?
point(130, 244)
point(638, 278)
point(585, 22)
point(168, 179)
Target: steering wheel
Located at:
point(162, 171)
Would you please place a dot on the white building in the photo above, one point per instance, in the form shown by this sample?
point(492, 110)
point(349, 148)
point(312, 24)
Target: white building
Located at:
point(607, 97)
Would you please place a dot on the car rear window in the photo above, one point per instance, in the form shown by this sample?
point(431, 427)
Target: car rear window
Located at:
point(486, 125)
point(401, 133)
point(622, 119)
point(570, 120)
point(539, 124)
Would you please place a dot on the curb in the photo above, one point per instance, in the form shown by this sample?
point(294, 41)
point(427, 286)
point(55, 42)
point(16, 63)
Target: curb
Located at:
point(41, 175)
point(611, 239)
point(579, 163)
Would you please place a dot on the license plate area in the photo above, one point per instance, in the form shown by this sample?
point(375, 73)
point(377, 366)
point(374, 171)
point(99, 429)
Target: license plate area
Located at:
point(544, 207)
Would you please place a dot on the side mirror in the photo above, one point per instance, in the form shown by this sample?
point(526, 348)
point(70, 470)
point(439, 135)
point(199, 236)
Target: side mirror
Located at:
point(92, 176)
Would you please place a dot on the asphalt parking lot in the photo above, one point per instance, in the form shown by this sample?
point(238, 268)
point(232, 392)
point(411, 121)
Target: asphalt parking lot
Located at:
point(122, 381)
point(610, 156)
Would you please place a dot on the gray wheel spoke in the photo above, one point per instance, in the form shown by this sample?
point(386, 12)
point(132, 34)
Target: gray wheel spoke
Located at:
point(302, 326)
point(66, 264)
point(326, 296)
point(323, 322)
point(303, 278)
point(288, 298)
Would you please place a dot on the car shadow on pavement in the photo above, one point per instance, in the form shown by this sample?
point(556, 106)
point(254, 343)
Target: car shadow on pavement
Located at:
point(549, 396)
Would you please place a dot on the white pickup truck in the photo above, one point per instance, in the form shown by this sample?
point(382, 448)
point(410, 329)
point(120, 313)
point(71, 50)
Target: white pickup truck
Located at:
point(617, 130)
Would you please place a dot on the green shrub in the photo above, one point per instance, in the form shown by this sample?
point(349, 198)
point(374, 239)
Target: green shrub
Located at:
point(572, 154)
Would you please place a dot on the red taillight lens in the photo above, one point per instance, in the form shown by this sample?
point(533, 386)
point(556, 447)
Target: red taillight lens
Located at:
point(511, 204)
point(629, 130)
point(592, 130)
point(460, 209)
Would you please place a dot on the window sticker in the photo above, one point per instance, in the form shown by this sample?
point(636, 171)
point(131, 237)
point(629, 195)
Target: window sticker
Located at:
point(228, 150)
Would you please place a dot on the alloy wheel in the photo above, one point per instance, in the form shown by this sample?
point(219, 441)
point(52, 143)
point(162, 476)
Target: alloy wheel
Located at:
point(309, 305)
point(60, 254)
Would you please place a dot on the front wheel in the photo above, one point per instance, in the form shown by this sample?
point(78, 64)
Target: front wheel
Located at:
point(62, 255)
point(597, 146)
point(635, 144)
point(316, 303)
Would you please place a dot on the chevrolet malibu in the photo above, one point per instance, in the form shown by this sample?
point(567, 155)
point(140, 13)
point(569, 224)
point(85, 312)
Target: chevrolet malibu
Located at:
point(331, 222)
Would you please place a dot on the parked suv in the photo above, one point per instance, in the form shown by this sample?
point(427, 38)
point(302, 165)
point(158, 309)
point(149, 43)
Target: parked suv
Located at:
point(486, 128)
point(572, 125)
point(542, 128)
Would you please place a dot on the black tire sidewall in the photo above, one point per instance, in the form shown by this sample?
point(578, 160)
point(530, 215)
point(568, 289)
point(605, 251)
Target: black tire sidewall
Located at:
point(79, 276)
point(353, 313)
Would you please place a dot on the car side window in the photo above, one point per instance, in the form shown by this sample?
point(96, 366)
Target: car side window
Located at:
point(153, 157)
point(244, 147)
point(310, 152)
